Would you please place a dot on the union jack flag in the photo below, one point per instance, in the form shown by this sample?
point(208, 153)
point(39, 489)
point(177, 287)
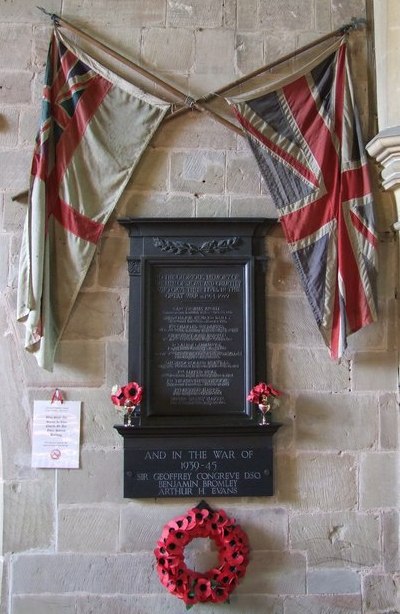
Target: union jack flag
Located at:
point(305, 135)
point(94, 129)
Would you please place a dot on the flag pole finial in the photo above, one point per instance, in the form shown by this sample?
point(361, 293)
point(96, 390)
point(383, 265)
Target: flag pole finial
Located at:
point(355, 24)
point(55, 18)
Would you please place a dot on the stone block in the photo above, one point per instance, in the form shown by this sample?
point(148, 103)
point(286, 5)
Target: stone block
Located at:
point(25, 11)
point(229, 13)
point(292, 15)
point(14, 214)
point(371, 337)
point(28, 126)
point(95, 315)
point(156, 204)
point(391, 540)
point(380, 480)
point(40, 45)
point(98, 480)
point(333, 581)
point(13, 260)
point(9, 119)
point(339, 539)
point(275, 573)
point(249, 52)
point(5, 584)
point(141, 525)
point(77, 363)
point(381, 593)
point(212, 206)
point(194, 130)
point(214, 51)
point(267, 528)
point(198, 171)
point(28, 515)
point(195, 14)
point(389, 421)
point(14, 416)
point(126, 40)
point(116, 363)
point(130, 12)
point(386, 282)
point(4, 260)
point(252, 206)
point(247, 15)
point(152, 170)
point(375, 371)
point(290, 321)
point(85, 573)
point(323, 604)
point(277, 245)
point(316, 482)
point(201, 83)
point(336, 422)
point(309, 369)
point(323, 16)
point(44, 604)
point(284, 278)
point(14, 169)
point(180, 45)
point(15, 46)
point(88, 529)
point(113, 269)
point(242, 174)
point(277, 45)
point(15, 87)
point(167, 604)
point(343, 12)
point(37, 87)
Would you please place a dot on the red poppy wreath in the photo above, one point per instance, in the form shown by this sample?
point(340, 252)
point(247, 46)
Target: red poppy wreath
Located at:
point(216, 584)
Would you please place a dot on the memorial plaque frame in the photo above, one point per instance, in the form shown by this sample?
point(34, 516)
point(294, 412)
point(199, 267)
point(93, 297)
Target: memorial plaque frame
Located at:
point(197, 344)
point(196, 317)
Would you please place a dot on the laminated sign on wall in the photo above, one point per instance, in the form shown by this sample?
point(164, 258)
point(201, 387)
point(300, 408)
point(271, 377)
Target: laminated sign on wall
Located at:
point(56, 434)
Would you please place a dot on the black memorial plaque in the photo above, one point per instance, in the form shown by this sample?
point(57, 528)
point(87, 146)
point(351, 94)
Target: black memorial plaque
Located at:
point(198, 338)
point(197, 317)
point(210, 466)
point(197, 346)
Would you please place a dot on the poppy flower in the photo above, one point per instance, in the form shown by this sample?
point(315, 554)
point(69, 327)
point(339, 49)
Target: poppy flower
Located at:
point(118, 396)
point(261, 392)
point(203, 589)
point(133, 392)
point(219, 595)
point(196, 518)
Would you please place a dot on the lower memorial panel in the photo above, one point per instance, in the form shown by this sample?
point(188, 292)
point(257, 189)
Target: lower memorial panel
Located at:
point(198, 467)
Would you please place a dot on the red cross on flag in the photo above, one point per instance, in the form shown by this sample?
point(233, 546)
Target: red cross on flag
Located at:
point(305, 135)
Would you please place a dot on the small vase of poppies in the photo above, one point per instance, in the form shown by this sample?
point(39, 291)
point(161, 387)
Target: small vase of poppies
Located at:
point(127, 399)
point(264, 396)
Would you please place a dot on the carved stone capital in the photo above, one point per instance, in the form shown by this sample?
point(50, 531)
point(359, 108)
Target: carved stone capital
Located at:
point(385, 148)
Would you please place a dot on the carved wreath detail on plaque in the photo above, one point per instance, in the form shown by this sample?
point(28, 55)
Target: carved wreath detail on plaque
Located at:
point(209, 247)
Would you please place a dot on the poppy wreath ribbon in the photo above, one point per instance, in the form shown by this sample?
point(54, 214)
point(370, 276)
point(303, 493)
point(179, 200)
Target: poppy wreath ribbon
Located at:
point(216, 584)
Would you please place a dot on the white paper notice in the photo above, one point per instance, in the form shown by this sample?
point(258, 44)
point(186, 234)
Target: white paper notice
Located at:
point(56, 434)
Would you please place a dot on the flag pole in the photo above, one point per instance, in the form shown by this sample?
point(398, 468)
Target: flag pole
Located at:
point(345, 29)
point(187, 100)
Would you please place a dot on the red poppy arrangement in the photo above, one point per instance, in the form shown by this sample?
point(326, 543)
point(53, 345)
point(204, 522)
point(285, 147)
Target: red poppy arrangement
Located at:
point(262, 393)
point(130, 392)
point(216, 584)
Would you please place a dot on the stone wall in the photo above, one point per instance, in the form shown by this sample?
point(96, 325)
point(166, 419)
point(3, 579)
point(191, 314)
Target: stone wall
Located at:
point(328, 540)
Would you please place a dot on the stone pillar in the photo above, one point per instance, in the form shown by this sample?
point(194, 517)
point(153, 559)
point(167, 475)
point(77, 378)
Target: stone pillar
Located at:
point(385, 146)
